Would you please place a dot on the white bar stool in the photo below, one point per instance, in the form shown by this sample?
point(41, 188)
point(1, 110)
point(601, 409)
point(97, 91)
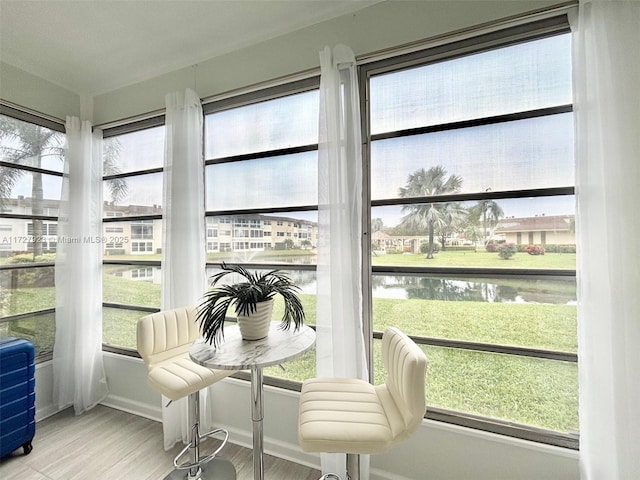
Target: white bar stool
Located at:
point(345, 415)
point(163, 340)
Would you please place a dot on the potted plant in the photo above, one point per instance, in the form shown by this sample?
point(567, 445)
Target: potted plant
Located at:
point(253, 301)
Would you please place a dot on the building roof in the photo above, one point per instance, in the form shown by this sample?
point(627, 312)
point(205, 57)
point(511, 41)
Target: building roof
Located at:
point(542, 223)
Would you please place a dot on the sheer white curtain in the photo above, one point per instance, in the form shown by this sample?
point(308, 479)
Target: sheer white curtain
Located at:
point(607, 109)
point(183, 239)
point(340, 342)
point(78, 372)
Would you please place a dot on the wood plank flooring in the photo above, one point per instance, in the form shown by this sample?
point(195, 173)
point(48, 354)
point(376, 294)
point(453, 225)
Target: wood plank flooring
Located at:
point(108, 444)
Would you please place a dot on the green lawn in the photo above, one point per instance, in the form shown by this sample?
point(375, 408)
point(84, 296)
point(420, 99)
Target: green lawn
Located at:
point(480, 258)
point(526, 390)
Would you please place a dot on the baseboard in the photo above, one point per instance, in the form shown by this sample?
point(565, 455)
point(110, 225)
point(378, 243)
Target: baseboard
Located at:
point(46, 412)
point(293, 453)
point(131, 406)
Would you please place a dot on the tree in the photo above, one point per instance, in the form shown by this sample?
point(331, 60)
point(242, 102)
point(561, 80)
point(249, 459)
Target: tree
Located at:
point(490, 213)
point(427, 216)
point(454, 215)
point(376, 225)
point(27, 144)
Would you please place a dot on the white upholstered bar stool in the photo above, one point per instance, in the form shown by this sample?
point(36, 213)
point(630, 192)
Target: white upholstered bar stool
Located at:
point(164, 339)
point(341, 415)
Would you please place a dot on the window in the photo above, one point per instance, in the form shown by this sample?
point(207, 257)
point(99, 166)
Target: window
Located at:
point(142, 247)
point(261, 177)
point(470, 194)
point(31, 165)
point(471, 151)
point(132, 229)
point(142, 229)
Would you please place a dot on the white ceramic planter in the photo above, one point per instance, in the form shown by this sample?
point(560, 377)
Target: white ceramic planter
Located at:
point(256, 325)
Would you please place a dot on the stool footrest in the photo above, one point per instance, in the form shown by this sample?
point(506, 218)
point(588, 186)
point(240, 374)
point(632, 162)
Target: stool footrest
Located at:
point(201, 461)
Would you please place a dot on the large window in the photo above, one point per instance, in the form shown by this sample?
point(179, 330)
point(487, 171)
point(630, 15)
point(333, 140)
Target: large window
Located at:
point(472, 227)
point(31, 165)
point(132, 230)
point(262, 194)
point(469, 189)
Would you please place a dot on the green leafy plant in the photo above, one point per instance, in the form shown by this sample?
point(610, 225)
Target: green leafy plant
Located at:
point(507, 250)
point(245, 296)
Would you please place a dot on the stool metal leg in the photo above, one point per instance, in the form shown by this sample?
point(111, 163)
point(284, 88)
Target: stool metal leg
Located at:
point(197, 468)
point(353, 469)
point(194, 441)
point(353, 466)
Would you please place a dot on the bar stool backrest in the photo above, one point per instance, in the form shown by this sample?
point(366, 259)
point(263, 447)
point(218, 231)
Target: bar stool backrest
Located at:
point(406, 366)
point(166, 334)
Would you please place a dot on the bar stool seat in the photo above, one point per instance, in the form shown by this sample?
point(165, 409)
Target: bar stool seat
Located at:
point(339, 415)
point(179, 376)
point(343, 415)
point(163, 340)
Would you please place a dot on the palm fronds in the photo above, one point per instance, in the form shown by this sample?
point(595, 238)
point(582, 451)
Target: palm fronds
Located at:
point(244, 297)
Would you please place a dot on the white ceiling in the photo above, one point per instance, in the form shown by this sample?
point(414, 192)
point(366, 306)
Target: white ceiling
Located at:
point(95, 46)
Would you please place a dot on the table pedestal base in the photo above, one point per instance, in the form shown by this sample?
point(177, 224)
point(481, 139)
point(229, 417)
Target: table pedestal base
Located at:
point(216, 469)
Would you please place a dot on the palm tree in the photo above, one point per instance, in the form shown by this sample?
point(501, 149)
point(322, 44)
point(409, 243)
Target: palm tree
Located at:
point(428, 183)
point(452, 220)
point(27, 144)
point(490, 213)
point(376, 225)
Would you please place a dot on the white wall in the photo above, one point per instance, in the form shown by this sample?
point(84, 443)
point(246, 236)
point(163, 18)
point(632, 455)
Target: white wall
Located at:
point(26, 90)
point(438, 451)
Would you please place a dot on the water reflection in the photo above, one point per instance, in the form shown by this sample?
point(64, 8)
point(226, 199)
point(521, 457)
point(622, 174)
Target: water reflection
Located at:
point(475, 290)
point(458, 289)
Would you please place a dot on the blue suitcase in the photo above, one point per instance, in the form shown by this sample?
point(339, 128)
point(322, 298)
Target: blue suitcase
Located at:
point(17, 395)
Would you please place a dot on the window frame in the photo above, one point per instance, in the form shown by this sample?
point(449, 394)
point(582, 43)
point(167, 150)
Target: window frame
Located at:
point(35, 118)
point(258, 96)
point(123, 129)
point(524, 30)
point(447, 51)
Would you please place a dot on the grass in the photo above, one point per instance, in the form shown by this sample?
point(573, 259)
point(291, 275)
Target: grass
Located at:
point(479, 258)
point(532, 391)
point(551, 327)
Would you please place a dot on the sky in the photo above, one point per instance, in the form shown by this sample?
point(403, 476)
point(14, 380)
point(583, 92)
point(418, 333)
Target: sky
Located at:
point(524, 154)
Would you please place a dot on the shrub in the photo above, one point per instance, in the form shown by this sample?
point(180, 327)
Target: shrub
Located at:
point(26, 257)
point(559, 248)
point(424, 247)
point(534, 249)
point(32, 277)
point(507, 250)
point(491, 247)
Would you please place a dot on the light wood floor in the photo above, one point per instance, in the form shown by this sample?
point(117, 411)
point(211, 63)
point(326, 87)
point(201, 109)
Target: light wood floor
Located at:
point(108, 444)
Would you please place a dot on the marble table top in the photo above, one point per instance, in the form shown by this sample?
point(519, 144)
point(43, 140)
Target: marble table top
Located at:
point(234, 353)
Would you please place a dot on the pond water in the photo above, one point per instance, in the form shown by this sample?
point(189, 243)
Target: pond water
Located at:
point(557, 292)
point(518, 290)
